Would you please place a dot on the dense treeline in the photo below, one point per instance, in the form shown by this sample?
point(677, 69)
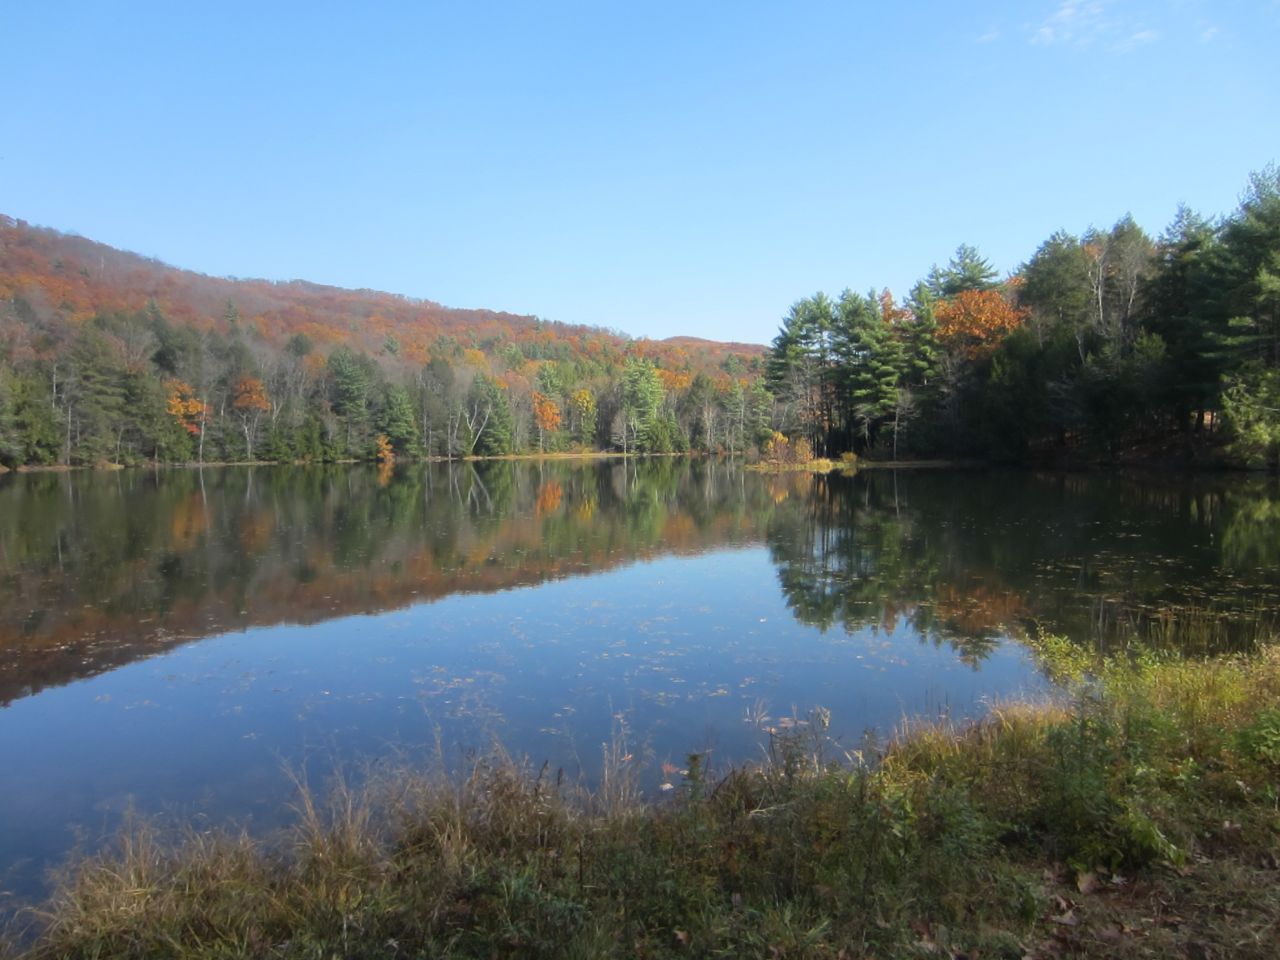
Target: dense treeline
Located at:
point(1108, 345)
point(1111, 344)
point(106, 357)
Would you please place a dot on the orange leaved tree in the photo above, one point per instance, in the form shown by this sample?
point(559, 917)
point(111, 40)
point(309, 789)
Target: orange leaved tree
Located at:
point(973, 322)
point(385, 452)
point(249, 400)
point(189, 410)
point(546, 414)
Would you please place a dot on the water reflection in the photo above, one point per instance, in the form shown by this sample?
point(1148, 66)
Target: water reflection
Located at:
point(1190, 564)
point(97, 571)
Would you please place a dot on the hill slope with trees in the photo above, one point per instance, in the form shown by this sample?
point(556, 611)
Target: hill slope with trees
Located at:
point(106, 356)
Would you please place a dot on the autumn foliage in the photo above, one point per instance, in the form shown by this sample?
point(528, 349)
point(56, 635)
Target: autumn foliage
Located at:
point(184, 406)
point(779, 449)
point(78, 279)
point(546, 414)
point(974, 322)
point(385, 452)
point(302, 371)
point(250, 394)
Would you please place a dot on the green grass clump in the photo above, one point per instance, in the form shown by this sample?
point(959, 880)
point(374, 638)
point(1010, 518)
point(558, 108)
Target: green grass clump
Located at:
point(1137, 817)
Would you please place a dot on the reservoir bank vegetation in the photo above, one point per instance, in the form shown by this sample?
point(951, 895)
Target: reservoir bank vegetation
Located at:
point(1135, 817)
point(1108, 345)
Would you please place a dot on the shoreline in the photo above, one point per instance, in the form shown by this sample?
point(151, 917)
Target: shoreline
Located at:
point(1118, 822)
point(349, 461)
point(819, 465)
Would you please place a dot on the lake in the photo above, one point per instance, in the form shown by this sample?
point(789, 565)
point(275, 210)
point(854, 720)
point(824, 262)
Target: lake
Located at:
point(187, 642)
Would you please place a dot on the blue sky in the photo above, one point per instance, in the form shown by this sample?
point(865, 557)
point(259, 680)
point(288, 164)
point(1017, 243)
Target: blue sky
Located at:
point(656, 168)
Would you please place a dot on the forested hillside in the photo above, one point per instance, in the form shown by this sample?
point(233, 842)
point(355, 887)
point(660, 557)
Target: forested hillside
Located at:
point(1109, 345)
point(108, 357)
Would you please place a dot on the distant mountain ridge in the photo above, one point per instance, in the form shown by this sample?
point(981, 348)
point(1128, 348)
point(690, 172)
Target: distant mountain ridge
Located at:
point(111, 358)
point(46, 275)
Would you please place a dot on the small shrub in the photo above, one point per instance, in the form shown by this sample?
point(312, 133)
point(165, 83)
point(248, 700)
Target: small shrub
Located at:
point(1260, 740)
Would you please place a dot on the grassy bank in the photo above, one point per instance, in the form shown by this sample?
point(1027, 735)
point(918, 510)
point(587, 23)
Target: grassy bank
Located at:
point(819, 465)
point(1139, 818)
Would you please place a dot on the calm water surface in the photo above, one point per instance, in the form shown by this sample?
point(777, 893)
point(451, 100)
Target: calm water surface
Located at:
point(179, 641)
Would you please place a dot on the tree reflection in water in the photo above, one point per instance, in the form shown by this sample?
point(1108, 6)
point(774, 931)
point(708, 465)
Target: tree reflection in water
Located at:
point(1188, 564)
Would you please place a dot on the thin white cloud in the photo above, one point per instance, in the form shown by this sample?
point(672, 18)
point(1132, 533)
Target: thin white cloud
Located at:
point(1208, 34)
point(991, 36)
point(1137, 39)
point(1089, 23)
point(1072, 23)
